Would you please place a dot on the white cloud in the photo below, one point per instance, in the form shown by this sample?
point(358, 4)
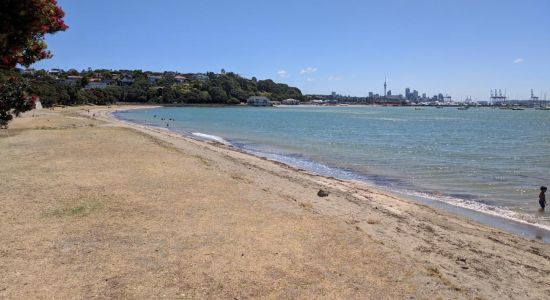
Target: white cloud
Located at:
point(334, 78)
point(283, 73)
point(518, 61)
point(308, 70)
point(310, 79)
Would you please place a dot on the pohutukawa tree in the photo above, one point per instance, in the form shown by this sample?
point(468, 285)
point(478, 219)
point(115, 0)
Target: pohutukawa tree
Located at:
point(23, 25)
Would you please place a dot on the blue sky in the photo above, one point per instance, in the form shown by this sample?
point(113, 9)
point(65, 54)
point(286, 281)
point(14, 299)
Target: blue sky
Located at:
point(463, 48)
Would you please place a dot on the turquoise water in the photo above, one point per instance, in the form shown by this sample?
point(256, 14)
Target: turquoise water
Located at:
point(483, 159)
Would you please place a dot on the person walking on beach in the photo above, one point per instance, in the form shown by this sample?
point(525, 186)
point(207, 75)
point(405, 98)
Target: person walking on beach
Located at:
point(542, 197)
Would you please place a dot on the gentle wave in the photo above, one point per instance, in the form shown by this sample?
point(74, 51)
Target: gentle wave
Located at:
point(395, 187)
point(387, 183)
point(480, 207)
point(210, 137)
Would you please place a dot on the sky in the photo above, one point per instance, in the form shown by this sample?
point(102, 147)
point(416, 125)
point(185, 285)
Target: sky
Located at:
point(460, 48)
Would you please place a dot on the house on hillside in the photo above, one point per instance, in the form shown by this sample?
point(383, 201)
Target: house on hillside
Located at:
point(200, 77)
point(258, 101)
point(28, 71)
point(72, 80)
point(180, 78)
point(126, 81)
point(153, 78)
point(96, 85)
point(55, 71)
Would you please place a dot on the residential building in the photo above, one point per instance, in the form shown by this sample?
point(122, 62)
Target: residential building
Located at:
point(180, 78)
point(28, 71)
point(291, 102)
point(55, 71)
point(154, 78)
point(126, 81)
point(258, 101)
point(200, 76)
point(72, 80)
point(96, 85)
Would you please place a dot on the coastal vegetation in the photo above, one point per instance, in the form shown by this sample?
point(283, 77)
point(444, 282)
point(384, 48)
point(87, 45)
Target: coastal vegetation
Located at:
point(23, 25)
point(101, 86)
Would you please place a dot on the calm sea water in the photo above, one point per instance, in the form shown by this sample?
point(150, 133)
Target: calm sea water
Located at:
point(488, 160)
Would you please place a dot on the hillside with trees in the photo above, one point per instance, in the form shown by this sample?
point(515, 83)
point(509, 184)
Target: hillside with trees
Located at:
point(58, 87)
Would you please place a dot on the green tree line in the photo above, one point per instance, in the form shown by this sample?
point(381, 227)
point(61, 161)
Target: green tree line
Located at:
point(212, 88)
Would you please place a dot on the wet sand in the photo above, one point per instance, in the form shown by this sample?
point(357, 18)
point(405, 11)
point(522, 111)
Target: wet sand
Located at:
point(94, 207)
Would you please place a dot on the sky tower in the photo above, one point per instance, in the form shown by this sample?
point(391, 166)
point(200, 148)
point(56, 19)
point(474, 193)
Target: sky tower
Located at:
point(385, 86)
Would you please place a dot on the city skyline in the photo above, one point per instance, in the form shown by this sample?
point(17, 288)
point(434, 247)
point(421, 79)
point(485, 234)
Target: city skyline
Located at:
point(462, 49)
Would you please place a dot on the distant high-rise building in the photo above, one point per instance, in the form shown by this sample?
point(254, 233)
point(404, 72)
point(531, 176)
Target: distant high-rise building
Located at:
point(385, 86)
point(415, 95)
point(371, 94)
point(423, 95)
point(408, 93)
point(440, 97)
point(389, 93)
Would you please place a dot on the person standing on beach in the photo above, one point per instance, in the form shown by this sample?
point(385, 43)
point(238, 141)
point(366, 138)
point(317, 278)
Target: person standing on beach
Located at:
point(542, 197)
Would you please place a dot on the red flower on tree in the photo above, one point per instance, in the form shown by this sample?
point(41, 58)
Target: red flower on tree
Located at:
point(23, 25)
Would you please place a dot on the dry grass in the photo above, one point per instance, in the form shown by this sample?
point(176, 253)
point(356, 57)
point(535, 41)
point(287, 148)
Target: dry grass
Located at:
point(99, 211)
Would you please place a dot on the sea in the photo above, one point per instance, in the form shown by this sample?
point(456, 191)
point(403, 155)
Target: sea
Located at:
point(486, 164)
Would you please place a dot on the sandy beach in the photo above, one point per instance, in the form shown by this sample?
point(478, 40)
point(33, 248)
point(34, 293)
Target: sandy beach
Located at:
point(93, 207)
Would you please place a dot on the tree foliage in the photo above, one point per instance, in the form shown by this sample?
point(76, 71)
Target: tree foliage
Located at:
point(228, 88)
point(13, 98)
point(23, 25)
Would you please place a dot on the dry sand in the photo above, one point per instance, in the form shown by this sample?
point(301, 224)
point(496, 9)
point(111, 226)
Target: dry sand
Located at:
point(97, 208)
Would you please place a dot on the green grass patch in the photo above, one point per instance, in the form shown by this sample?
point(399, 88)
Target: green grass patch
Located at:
point(74, 210)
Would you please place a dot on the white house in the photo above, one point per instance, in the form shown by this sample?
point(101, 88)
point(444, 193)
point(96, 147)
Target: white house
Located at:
point(180, 78)
point(259, 101)
point(154, 78)
point(96, 85)
point(200, 77)
point(29, 71)
point(291, 102)
point(72, 80)
point(55, 71)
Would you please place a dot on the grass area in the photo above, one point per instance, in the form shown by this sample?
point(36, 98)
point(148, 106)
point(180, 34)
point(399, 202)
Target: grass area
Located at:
point(74, 210)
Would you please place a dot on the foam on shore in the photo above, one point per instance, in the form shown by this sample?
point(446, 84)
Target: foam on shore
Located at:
point(396, 187)
point(388, 184)
point(210, 137)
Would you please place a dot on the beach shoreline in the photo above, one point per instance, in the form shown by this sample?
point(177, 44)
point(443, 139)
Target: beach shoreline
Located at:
point(227, 223)
point(485, 216)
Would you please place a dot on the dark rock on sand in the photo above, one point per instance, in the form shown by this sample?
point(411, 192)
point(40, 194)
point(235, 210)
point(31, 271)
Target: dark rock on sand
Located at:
point(322, 193)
